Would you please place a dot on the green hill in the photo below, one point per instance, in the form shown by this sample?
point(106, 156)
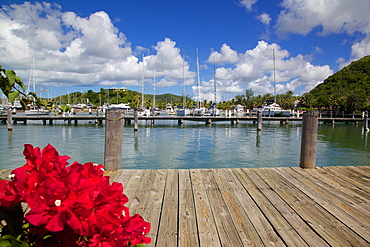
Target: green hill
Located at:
point(348, 89)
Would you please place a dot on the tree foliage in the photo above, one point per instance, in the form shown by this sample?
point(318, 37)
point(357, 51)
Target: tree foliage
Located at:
point(12, 87)
point(348, 89)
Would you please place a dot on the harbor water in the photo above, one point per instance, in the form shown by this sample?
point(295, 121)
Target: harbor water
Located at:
point(192, 145)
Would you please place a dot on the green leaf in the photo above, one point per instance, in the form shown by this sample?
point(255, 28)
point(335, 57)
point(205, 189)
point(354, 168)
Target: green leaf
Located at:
point(65, 108)
point(10, 241)
point(12, 96)
point(11, 76)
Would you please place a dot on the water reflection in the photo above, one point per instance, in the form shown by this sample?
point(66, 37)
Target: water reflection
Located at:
point(10, 139)
point(197, 145)
point(136, 141)
point(258, 140)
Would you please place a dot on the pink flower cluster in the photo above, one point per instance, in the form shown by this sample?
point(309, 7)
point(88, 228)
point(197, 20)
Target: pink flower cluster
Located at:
point(72, 205)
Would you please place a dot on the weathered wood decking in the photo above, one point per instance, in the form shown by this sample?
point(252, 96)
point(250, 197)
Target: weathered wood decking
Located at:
point(251, 207)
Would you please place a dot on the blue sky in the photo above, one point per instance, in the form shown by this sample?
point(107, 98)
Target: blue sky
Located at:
point(82, 45)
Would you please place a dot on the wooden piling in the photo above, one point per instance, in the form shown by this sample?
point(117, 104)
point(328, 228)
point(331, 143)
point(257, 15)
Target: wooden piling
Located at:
point(309, 138)
point(366, 122)
point(9, 119)
point(114, 119)
point(136, 120)
point(259, 120)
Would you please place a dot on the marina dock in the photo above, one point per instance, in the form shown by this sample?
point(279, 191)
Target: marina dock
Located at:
point(327, 206)
point(180, 119)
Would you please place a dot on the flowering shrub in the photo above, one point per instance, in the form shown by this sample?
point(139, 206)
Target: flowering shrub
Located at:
point(47, 203)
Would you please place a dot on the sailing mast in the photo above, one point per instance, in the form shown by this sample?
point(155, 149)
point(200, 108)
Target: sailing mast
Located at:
point(273, 58)
point(198, 74)
point(183, 81)
point(214, 86)
point(142, 84)
point(154, 87)
point(32, 78)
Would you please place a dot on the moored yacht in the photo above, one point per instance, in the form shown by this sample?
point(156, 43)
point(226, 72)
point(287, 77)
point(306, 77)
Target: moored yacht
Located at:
point(274, 110)
point(35, 111)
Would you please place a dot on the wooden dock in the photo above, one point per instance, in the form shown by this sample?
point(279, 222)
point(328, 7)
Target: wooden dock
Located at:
point(327, 206)
point(180, 119)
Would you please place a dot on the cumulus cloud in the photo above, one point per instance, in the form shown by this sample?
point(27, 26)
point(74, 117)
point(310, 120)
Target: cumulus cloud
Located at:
point(255, 70)
point(265, 19)
point(331, 17)
point(71, 50)
point(248, 4)
point(226, 55)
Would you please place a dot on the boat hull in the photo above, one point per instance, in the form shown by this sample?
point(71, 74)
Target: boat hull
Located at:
point(282, 113)
point(36, 112)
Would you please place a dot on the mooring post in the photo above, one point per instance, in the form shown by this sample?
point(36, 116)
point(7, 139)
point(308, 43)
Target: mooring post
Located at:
point(309, 137)
point(136, 120)
point(366, 121)
point(259, 120)
point(9, 119)
point(114, 119)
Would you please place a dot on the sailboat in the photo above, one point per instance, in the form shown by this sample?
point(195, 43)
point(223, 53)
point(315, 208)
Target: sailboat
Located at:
point(274, 110)
point(34, 110)
point(214, 111)
point(198, 111)
point(183, 111)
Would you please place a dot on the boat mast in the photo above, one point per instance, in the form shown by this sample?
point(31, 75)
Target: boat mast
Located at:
point(273, 58)
point(198, 74)
point(183, 81)
point(142, 84)
point(32, 78)
point(214, 83)
point(154, 87)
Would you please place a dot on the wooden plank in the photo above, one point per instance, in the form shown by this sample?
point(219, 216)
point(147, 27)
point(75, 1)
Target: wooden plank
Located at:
point(356, 193)
point(153, 209)
point(133, 186)
point(360, 181)
point(142, 191)
point(359, 198)
point(278, 190)
point(207, 231)
point(4, 174)
point(245, 190)
point(321, 213)
point(188, 235)
point(225, 227)
point(271, 204)
point(245, 229)
point(113, 175)
point(124, 176)
point(344, 205)
point(243, 207)
point(168, 226)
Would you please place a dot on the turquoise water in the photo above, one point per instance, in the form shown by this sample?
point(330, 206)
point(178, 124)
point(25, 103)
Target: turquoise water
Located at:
point(193, 145)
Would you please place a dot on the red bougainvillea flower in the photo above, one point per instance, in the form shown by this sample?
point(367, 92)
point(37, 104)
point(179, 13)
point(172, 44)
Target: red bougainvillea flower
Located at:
point(8, 194)
point(75, 205)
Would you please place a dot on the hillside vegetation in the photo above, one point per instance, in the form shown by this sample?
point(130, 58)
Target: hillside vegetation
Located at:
point(348, 89)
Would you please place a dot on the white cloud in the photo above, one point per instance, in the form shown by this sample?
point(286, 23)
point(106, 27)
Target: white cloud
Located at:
point(74, 50)
point(264, 18)
point(227, 55)
point(248, 4)
point(361, 48)
point(255, 68)
point(332, 17)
